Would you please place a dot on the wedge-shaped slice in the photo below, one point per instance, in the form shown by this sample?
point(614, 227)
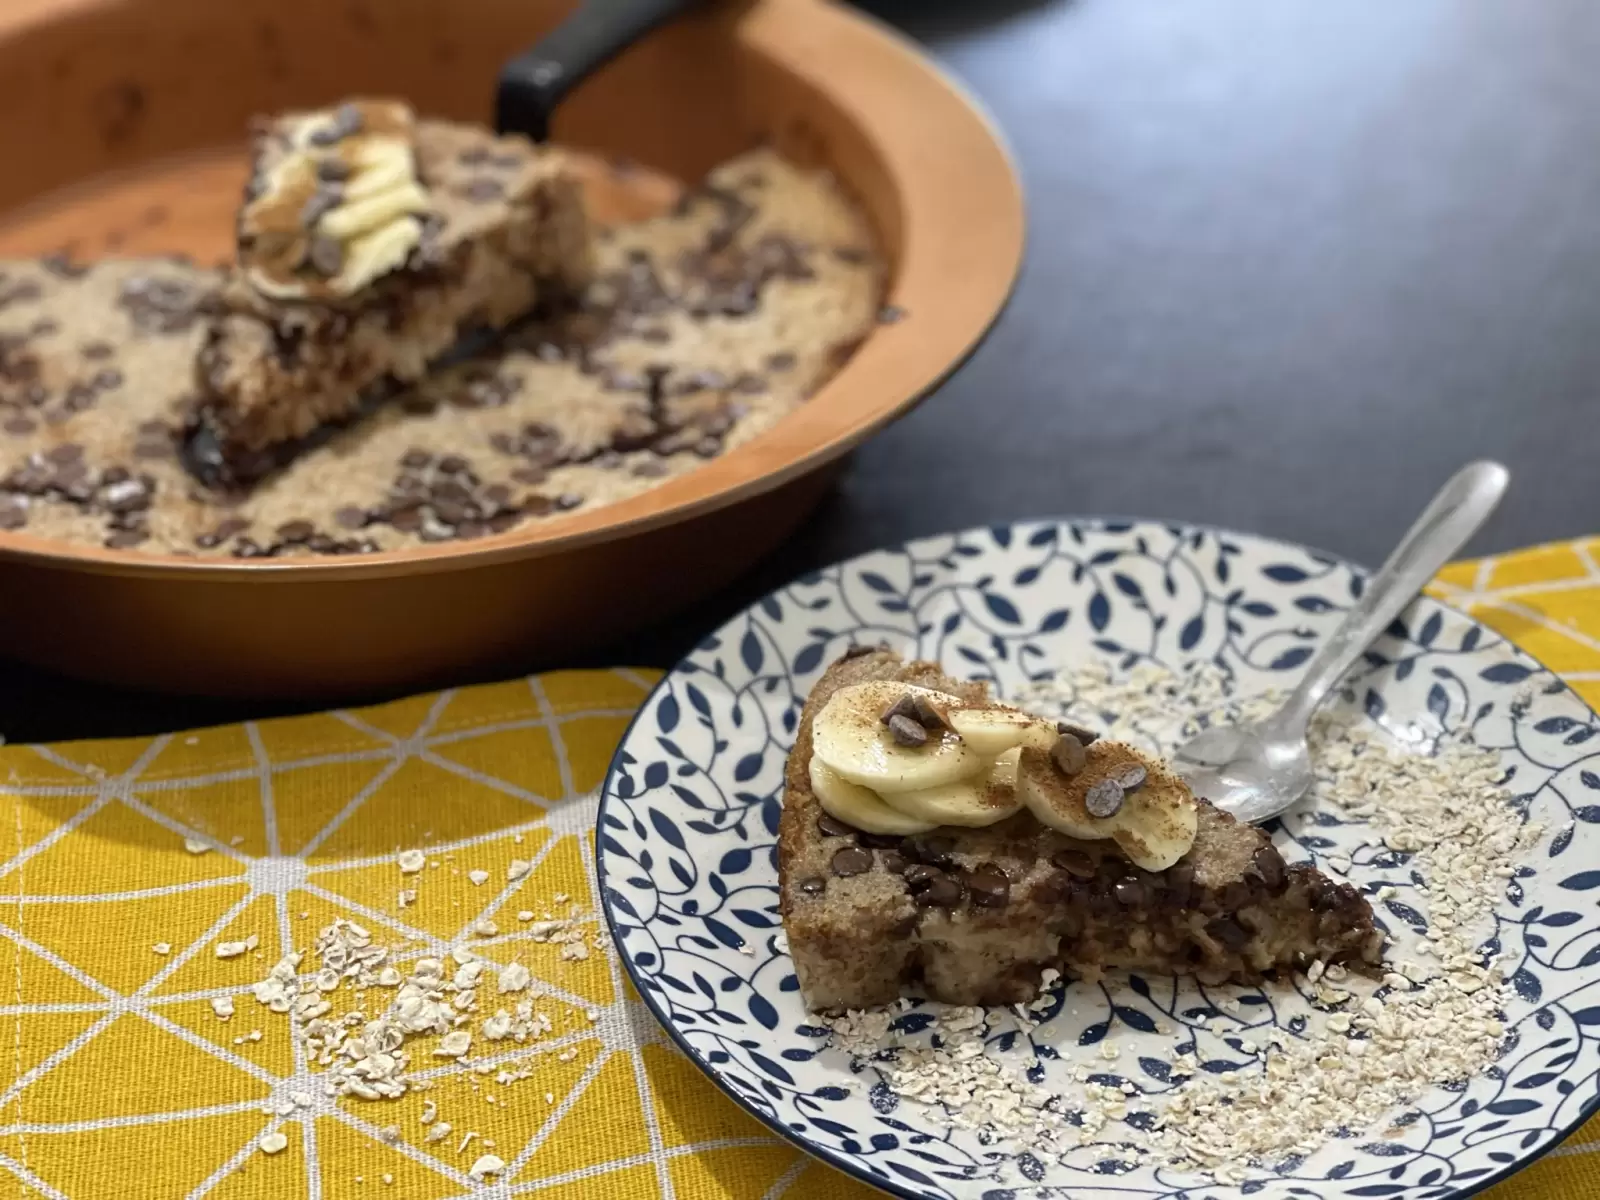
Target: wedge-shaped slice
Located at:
point(977, 915)
point(370, 244)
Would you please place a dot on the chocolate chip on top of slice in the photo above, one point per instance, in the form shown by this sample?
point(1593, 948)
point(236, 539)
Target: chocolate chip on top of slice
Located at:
point(911, 719)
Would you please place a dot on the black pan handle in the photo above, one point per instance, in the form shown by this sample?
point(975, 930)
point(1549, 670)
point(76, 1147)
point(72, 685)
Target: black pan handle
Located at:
point(532, 84)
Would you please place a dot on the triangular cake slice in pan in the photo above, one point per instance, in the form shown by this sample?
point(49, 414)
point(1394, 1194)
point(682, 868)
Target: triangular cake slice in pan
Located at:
point(973, 914)
point(371, 244)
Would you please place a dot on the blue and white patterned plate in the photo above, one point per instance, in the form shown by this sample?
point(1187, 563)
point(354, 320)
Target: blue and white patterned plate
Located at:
point(690, 813)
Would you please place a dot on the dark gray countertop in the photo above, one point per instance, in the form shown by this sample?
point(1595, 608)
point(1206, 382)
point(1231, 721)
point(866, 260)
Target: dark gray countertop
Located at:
point(1289, 265)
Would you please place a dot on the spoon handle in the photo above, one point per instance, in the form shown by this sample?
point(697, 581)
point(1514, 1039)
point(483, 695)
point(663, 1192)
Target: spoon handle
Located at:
point(533, 83)
point(1452, 517)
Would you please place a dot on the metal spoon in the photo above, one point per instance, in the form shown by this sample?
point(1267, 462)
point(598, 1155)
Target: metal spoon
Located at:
point(1257, 771)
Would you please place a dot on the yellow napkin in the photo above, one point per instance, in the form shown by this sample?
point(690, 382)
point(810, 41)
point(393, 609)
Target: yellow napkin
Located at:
point(123, 1073)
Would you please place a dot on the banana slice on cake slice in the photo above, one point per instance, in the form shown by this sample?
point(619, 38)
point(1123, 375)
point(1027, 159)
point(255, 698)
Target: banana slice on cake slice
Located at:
point(954, 740)
point(858, 806)
point(1153, 817)
point(850, 737)
point(992, 731)
point(982, 800)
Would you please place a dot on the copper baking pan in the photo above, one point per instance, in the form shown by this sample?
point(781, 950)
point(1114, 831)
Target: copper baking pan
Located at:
point(109, 105)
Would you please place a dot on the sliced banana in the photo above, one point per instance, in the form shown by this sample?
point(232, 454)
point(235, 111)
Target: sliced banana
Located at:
point(849, 736)
point(992, 731)
point(859, 806)
point(1155, 826)
point(356, 217)
point(1055, 800)
point(982, 800)
point(381, 165)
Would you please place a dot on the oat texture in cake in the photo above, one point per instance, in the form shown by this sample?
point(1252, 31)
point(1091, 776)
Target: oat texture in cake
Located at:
point(701, 329)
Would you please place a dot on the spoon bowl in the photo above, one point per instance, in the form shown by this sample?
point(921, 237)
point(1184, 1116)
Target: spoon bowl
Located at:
point(1257, 771)
point(1251, 771)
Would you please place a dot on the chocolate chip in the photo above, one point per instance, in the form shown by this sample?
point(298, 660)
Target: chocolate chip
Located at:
point(321, 202)
point(850, 254)
point(44, 327)
point(326, 256)
point(894, 862)
point(783, 360)
point(1133, 778)
point(296, 531)
point(415, 458)
point(1268, 864)
point(451, 512)
point(813, 886)
point(1324, 893)
point(1179, 884)
point(1068, 755)
point(852, 860)
point(907, 732)
point(929, 717)
point(1228, 932)
point(531, 476)
point(878, 841)
point(829, 825)
point(115, 475)
point(935, 850)
point(1074, 862)
point(1086, 737)
point(942, 892)
point(1235, 895)
point(96, 350)
point(350, 517)
point(20, 425)
point(749, 385)
point(856, 650)
point(13, 514)
point(989, 887)
point(1103, 799)
point(903, 707)
point(107, 378)
point(123, 539)
point(1129, 892)
point(920, 875)
point(483, 190)
point(333, 170)
point(407, 518)
point(65, 453)
point(346, 121)
point(890, 313)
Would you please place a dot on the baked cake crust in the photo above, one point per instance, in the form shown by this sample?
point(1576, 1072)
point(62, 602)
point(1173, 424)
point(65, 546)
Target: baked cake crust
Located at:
point(973, 916)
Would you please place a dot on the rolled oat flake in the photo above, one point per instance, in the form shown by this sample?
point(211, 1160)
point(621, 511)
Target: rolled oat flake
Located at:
point(1104, 798)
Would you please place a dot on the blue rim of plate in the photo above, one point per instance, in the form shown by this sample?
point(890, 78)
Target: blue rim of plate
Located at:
point(844, 1165)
